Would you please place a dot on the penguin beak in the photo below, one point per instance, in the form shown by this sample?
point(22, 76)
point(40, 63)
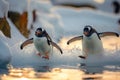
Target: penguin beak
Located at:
point(86, 33)
point(37, 32)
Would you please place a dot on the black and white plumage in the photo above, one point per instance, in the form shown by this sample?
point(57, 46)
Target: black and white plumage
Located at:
point(42, 42)
point(91, 40)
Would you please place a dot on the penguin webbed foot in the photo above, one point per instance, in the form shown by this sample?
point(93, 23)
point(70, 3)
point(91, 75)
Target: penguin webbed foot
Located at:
point(39, 54)
point(45, 57)
point(83, 57)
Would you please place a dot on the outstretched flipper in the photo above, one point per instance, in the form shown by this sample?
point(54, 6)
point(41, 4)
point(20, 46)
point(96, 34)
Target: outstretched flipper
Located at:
point(29, 41)
point(55, 45)
point(103, 34)
point(74, 39)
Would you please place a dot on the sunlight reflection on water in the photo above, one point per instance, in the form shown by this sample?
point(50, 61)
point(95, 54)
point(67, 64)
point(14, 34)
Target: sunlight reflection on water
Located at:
point(58, 74)
point(69, 65)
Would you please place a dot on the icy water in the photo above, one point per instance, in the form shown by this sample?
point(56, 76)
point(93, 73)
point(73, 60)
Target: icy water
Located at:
point(63, 73)
point(67, 66)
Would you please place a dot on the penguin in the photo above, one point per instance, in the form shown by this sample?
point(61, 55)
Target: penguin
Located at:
point(91, 41)
point(42, 42)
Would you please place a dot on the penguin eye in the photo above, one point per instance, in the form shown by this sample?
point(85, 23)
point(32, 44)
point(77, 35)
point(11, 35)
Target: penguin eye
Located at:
point(89, 28)
point(85, 29)
point(39, 29)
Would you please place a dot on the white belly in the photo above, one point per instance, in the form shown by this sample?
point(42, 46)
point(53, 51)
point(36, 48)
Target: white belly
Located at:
point(92, 44)
point(41, 45)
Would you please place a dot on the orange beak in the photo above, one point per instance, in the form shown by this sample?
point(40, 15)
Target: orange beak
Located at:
point(86, 33)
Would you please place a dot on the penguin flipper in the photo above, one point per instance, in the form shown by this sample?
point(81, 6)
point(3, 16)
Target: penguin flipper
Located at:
point(55, 45)
point(29, 41)
point(74, 39)
point(103, 34)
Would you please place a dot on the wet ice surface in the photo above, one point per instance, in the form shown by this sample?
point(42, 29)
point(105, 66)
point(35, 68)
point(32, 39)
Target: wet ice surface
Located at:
point(26, 65)
point(59, 74)
point(68, 66)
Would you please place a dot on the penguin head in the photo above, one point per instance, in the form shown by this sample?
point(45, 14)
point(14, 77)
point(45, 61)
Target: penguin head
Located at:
point(38, 32)
point(87, 30)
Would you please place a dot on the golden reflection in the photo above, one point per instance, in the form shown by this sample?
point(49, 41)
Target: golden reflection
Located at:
point(111, 43)
point(58, 74)
point(99, 1)
point(24, 79)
